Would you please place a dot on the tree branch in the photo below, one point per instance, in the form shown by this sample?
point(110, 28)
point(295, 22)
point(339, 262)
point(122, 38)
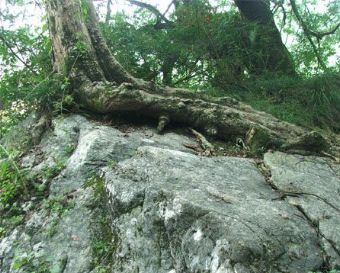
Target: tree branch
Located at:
point(308, 34)
point(320, 35)
point(108, 11)
point(167, 9)
point(160, 17)
point(16, 55)
point(100, 84)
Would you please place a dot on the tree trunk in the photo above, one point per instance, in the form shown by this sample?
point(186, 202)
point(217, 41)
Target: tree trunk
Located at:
point(78, 45)
point(268, 53)
point(167, 68)
point(102, 85)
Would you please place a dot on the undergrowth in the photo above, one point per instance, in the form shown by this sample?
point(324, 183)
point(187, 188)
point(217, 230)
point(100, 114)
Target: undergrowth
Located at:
point(18, 185)
point(17, 101)
point(104, 241)
point(313, 102)
point(13, 187)
point(13, 180)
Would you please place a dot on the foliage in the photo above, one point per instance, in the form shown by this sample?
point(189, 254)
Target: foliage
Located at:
point(207, 44)
point(313, 102)
point(31, 263)
point(18, 185)
point(203, 45)
point(57, 204)
point(319, 18)
point(27, 81)
point(104, 241)
point(49, 172)
point(24, 75)
point(12, 179)
point(13, 187)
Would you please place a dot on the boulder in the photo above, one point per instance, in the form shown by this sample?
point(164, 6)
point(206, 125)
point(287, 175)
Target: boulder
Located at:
point(137, 201)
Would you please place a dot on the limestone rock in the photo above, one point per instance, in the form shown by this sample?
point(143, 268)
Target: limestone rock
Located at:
point(315, 186)
point(136, 201)
point(177, 212)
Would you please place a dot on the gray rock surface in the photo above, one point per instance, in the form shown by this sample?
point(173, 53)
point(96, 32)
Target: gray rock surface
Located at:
point(177, 212)
point(142, 202)
point(312, 185)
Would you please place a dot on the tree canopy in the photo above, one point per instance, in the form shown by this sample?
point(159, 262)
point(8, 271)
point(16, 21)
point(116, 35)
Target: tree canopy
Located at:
point(280, 56)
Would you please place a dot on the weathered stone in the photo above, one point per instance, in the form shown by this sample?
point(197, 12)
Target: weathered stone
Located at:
point(64, 237)
point(20, 137)
point(170, 210)
point(313, 185)
point(177, 211)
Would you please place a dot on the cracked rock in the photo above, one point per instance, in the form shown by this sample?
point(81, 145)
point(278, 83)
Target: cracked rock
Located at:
point(176, 211)
point(315, 183)
point(169, 210)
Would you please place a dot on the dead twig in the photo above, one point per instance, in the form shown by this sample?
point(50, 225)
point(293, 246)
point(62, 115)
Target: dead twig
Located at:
point(205, 144)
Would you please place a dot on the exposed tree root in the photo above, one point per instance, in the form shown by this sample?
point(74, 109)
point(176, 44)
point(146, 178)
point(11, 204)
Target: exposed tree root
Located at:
point(40, 127)
point(102, 85)
point(204, 143)
point(222, 118)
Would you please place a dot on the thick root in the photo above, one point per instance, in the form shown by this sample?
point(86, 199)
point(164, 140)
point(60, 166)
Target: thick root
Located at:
point(229, 118)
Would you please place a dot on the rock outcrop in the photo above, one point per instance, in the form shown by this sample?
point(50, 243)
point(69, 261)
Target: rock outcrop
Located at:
point(135, 201)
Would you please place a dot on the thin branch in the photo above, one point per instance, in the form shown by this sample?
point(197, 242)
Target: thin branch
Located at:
point(150, 8)
point(191, 73)
point(108, 11)
point(155, 11)
point(308, 34)
point(167, 9)
point(279, 5)
point(16, 55)
point(320, 35)
point(284, 17)
point(185, 78)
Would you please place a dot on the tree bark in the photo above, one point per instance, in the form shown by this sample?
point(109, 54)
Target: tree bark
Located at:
point(102, 85)
point(78, 45)
point(167, 68)
point(108, 11)
point(265, 39)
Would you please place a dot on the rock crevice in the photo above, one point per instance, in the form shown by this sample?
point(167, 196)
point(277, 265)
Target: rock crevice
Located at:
point(168, 210)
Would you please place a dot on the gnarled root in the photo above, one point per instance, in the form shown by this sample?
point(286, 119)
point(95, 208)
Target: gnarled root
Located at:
point(229, 118)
